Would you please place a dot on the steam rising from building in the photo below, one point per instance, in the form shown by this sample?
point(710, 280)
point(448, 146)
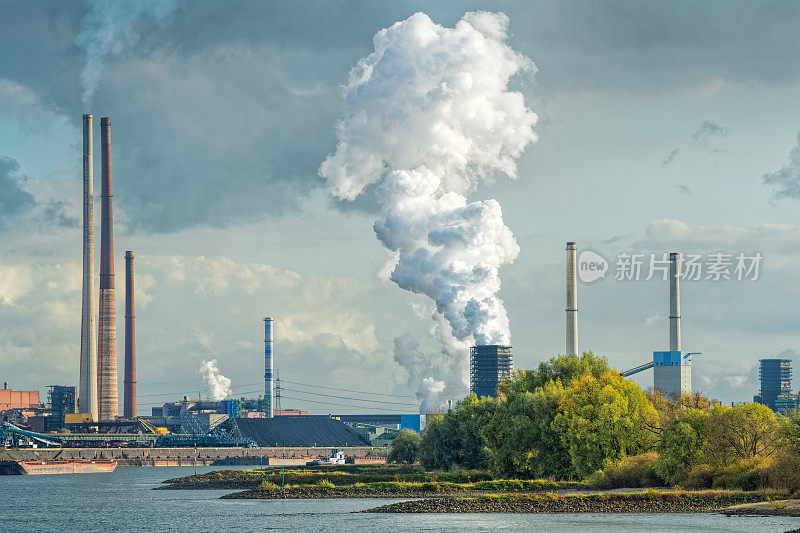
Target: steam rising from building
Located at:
point(426, 116)
point(218, 387)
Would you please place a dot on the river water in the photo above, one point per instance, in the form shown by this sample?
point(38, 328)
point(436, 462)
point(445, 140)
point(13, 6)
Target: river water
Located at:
point(124, 501)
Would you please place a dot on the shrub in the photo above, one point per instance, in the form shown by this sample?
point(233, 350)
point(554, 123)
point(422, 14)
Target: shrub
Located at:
point(267, 485)
point(783, 474)
point(699, 477)
point(634, 471)
point(740, 476)
point(405, 447)
point(325, 484)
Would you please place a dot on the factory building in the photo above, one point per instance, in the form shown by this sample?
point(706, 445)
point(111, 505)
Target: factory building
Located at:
point(776, 385)
point(18, 399)
point(63, 400)
point(488, 366)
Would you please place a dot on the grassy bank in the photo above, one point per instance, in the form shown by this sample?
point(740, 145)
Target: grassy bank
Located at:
point(382, 480)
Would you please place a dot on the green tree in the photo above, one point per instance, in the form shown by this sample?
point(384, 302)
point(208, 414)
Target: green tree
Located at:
point(405, 447)
point(456, 437)
point(681, 445)
point(564, 368)
point(673, 405)
point(604, 418)
point(741, 432)
point(790, 430)
point(522, 438)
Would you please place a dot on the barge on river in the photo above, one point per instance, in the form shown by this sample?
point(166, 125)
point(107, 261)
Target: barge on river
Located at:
point(72, 466)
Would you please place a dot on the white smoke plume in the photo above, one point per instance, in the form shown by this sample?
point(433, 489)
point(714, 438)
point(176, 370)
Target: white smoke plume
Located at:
point(430, 390)
point(427, 115)
point(218, 387)
point(110, 28)
point(408, 353)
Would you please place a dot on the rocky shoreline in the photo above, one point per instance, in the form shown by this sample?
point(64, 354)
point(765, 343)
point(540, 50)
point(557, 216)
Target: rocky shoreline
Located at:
point(591, 503)
point(316, 493)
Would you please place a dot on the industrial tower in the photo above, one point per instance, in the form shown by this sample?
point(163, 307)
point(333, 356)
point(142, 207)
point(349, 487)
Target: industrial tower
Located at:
point(87, 382)
point(269, 390)
point(129, 390)
point(672, 369)
point(572, 301)
point(108, 402)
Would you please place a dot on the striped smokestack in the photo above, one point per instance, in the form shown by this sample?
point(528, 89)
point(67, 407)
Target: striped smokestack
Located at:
point(269, 386)
point(572, 301)
point(107, 405)
point(674, 302)
point(129, 408)
point(87, 384)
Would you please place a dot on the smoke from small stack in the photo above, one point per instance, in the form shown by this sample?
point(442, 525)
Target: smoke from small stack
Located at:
point(427, 115)
point(109, 29)
point(129, 407)
point(108, 403)
point(572, 301)
point(674, 302)
point(218, 387)
point(87, 383)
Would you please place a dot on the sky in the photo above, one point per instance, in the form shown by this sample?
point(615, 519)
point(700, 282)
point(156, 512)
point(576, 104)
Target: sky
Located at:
point(661, 127)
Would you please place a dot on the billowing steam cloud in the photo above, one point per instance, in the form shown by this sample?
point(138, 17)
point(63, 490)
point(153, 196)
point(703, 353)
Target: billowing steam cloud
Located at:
point(110, 28)
point(408, 353)
point(218, 387)
point(429, 114)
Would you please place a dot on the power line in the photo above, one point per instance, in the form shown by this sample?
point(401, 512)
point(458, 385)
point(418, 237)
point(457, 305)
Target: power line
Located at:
point(337, 378)
point(340, 404)
point(349, 397)
point(349, 390)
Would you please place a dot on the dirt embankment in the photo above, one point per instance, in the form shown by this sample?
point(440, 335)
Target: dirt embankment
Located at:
point(773, 508)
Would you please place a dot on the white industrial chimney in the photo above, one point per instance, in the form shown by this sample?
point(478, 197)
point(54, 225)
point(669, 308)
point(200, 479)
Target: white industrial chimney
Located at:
point(269, 386)
point(674, 302)
point(572, 301)
point(87, 382)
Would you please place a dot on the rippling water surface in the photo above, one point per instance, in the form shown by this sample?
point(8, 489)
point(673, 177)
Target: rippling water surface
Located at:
point(124, 501)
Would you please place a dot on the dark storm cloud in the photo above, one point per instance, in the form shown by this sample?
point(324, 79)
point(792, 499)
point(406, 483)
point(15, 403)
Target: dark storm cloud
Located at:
point(14, 200)
point(223, 115)
point(786, 180)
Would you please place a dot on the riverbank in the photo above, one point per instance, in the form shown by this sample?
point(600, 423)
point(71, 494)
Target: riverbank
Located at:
point(357, 481)
point(772, 508)
point(184, 456)
point(461, 491)
point(635, 502)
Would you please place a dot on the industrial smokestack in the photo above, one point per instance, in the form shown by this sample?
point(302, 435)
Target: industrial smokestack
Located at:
point(108, 406)
point(129, 408)
point(674, 302)
point(572, 301)
point(269, 390)
point(87, 382)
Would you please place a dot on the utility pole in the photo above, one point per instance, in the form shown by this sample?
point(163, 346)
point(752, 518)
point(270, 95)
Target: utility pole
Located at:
point(278, 391)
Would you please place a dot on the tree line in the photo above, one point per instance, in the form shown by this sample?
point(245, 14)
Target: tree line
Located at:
point(575, 418)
